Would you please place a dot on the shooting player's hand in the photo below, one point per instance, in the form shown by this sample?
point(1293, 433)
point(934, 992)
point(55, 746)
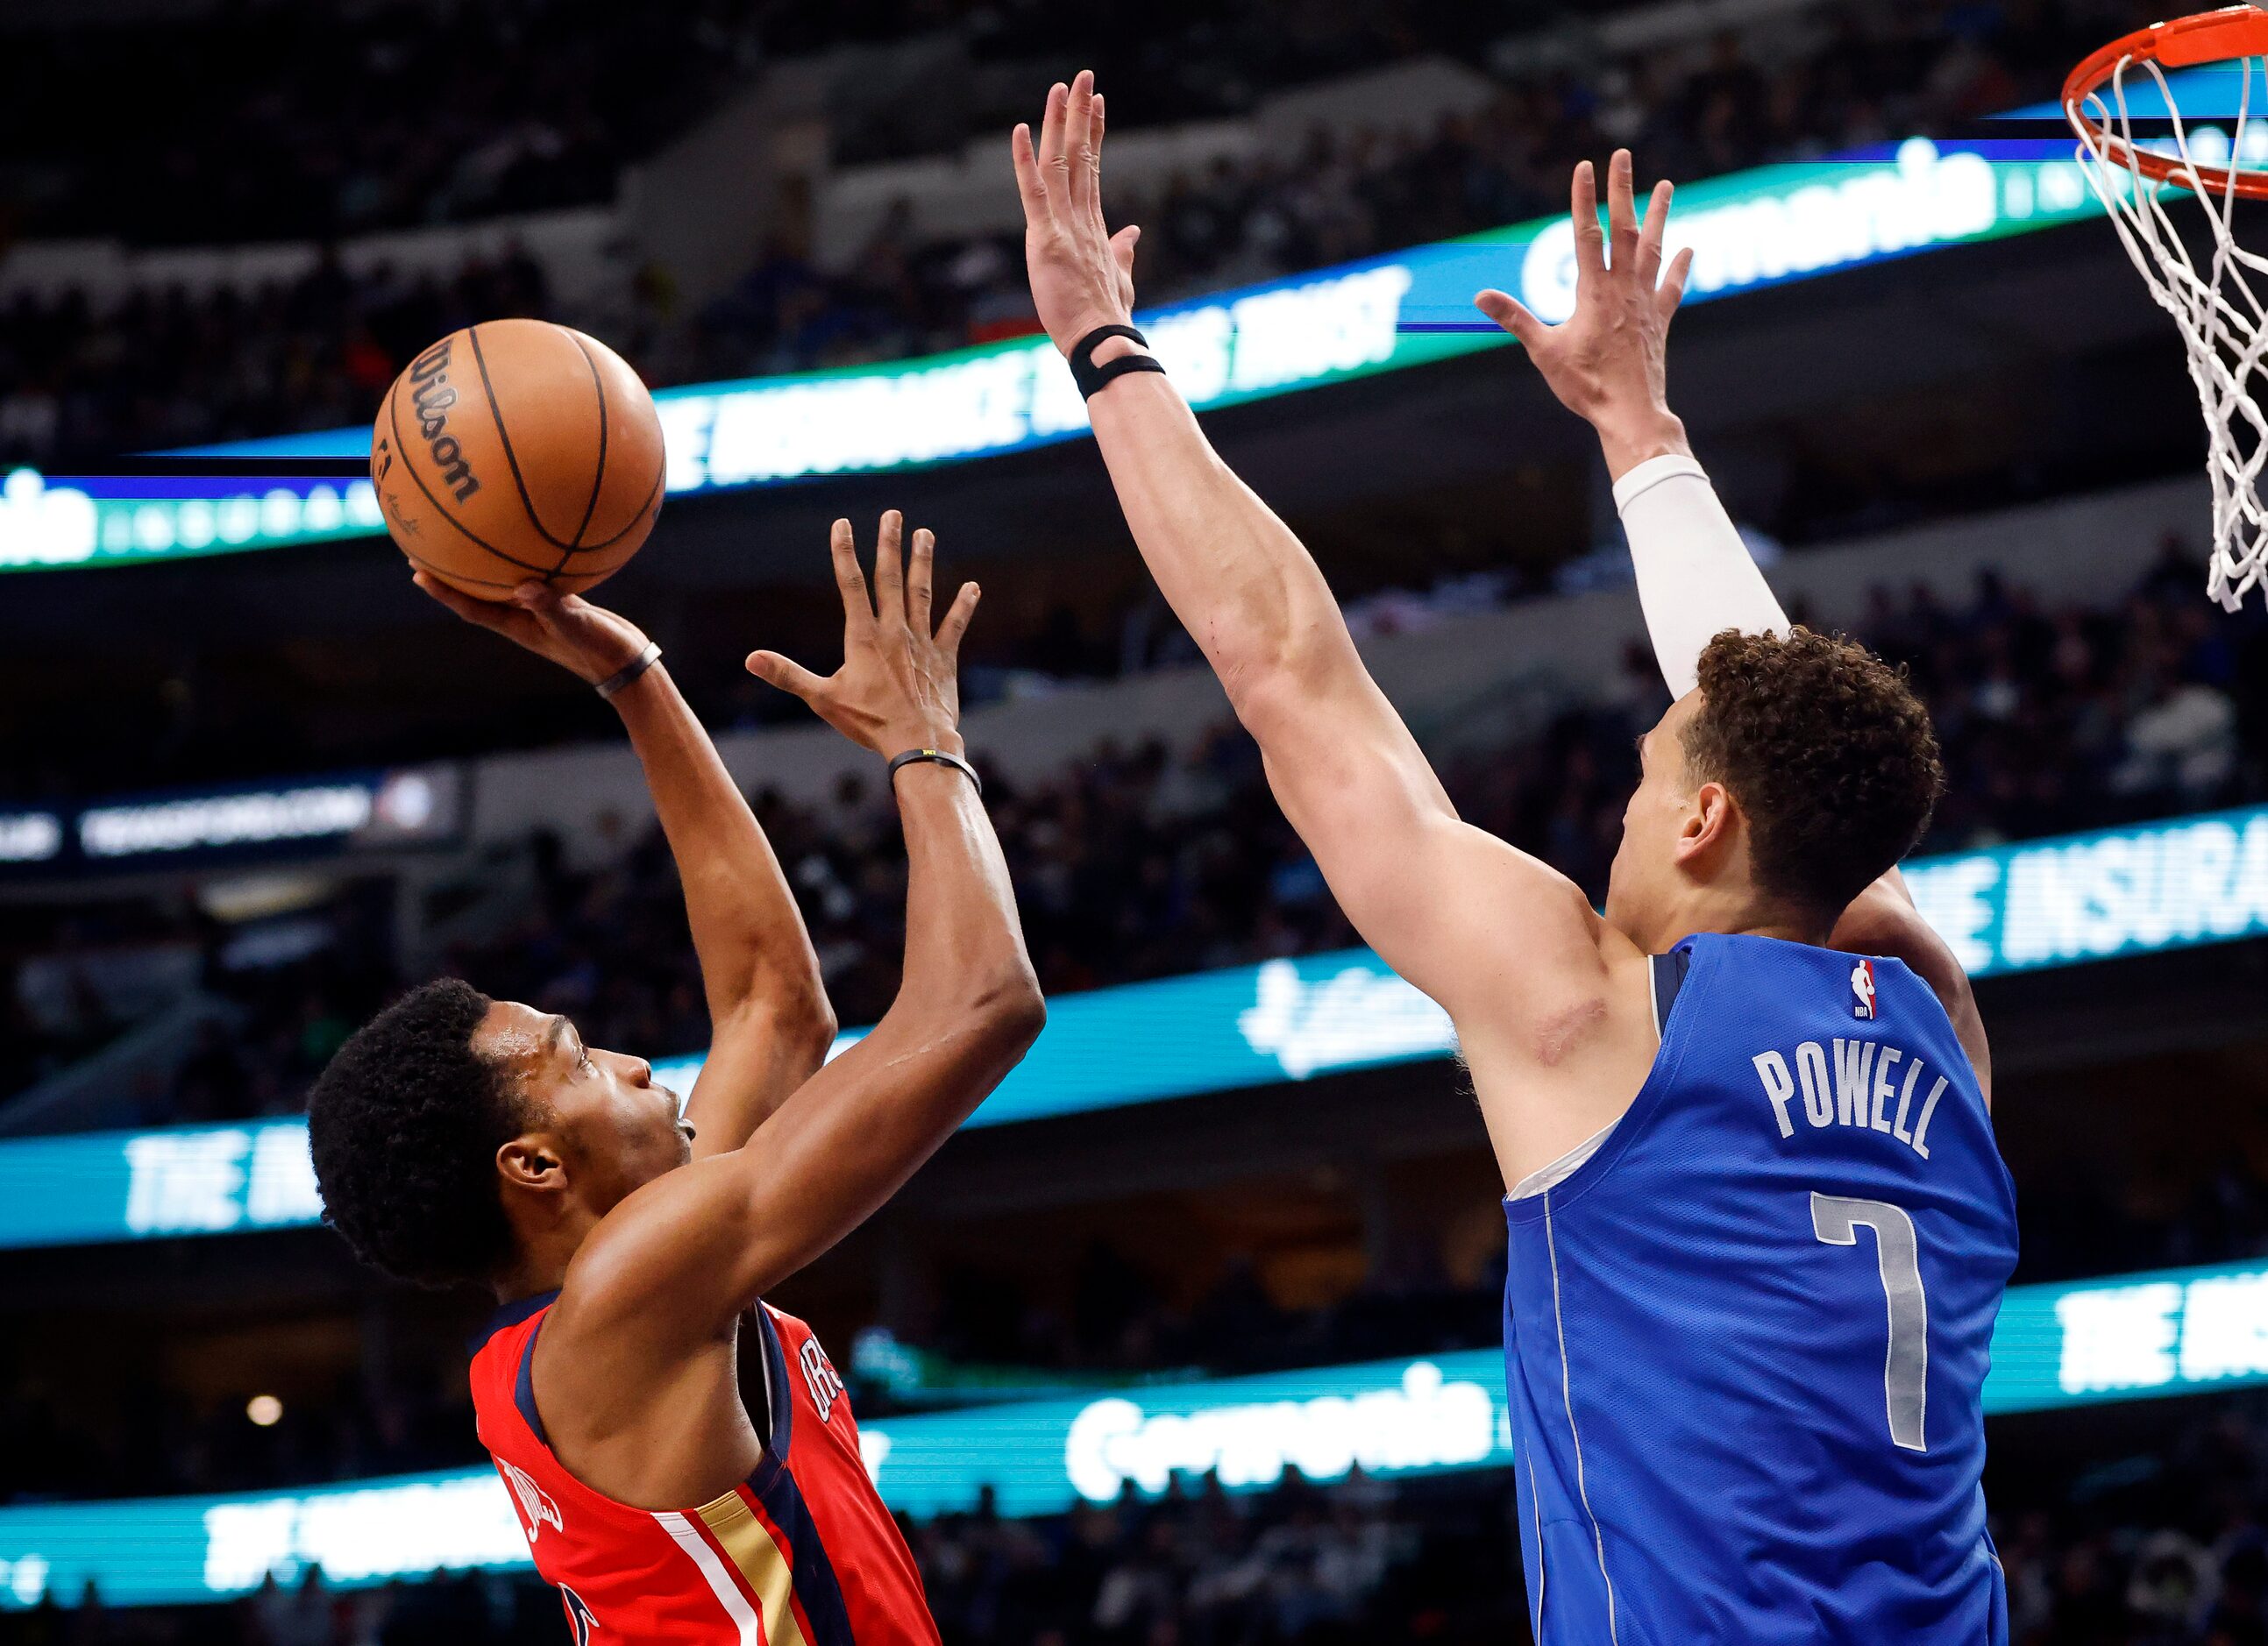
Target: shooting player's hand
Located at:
point(898, 688)
point(586, 640)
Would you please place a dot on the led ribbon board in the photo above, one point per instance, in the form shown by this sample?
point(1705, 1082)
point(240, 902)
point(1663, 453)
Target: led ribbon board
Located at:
point(2171, 1332)
point(409, 805)
point(1749, 230)
point(2045, 903)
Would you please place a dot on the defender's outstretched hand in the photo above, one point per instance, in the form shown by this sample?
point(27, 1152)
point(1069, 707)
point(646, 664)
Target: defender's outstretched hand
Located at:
point(1606, 361)
point(586, 640)
point(1082, 274)
point(897, 688)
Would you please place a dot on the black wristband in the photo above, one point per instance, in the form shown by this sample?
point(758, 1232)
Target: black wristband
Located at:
point(621, 677)
point(940, 758)
point(1090, 376)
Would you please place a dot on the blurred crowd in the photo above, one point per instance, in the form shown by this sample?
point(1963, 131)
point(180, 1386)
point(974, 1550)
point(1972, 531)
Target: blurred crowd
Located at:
point(1138, 862)
point(1864, 78)
point(168, 367)
point(2167, 1546)
point(360, 117)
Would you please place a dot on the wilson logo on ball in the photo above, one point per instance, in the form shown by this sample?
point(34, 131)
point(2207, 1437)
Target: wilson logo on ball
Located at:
point(432, 397)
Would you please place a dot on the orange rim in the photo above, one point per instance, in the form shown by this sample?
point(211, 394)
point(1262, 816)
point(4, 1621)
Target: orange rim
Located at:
point(2233, 32)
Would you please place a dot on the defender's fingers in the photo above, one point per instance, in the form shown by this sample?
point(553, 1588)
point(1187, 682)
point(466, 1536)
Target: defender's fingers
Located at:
point(1509, 312)
point(1080, 147)
point(1622, 209)
point(1583, 207)
point(1029, 184)
point(890, 567)
point(956, 618)
point(1671, 291)
point(919, 569)
point(1650, 233)
point(857, 606)
point(774, 670)
point(1051, 135)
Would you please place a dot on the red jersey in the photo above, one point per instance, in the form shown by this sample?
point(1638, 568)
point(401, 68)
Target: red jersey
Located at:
point(800, 1554)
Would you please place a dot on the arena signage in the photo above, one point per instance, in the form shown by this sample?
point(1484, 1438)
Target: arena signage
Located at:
point(2053, 902)
point(2091, 897)
point(409, 805)
point(2173, 1332)
point(1748, 230)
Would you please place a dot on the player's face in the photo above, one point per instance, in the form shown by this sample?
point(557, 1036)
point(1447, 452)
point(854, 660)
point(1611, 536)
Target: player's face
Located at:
point(1640, 885)
point(615, 1128)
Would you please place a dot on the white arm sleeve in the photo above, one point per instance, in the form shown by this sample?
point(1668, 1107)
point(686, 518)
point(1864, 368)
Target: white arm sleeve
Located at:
point(1694, 578)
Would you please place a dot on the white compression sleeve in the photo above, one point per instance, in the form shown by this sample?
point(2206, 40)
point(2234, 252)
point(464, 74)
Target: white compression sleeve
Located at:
point(1694, 578)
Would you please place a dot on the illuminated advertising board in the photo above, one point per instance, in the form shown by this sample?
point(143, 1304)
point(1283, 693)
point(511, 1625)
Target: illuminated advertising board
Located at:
point(1749, 230)
point(2045, 903)
point(2136, 1336)
point(407, 806)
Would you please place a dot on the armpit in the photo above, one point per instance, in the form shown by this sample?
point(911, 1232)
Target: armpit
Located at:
point(1560, 1032)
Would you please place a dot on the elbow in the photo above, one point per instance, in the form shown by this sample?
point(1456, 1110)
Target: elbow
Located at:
point(813, 1027)
point(1008, 1011)
point(796, 1018)
point(1268, 683)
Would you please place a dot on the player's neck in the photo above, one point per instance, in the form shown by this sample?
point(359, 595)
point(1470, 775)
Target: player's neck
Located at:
point(527, 1278)
point(539, 1260)
point(1736, 911)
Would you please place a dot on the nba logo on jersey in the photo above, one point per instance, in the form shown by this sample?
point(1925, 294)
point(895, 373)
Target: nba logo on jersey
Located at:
point(1862, 990)
point(535, 1503)
point(819, 1373)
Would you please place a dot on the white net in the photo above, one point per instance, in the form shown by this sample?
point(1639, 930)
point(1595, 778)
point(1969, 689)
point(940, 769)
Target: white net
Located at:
point(2223, 324)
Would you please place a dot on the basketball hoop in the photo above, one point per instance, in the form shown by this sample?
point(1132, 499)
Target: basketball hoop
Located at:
point(2223, 323)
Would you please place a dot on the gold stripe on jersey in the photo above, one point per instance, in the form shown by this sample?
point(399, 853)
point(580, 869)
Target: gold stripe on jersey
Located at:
point(751, 1548)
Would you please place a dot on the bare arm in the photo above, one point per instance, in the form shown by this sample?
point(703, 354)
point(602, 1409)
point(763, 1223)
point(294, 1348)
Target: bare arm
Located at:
point(767, 1010)
point(1449, 906)
point(685, 1254)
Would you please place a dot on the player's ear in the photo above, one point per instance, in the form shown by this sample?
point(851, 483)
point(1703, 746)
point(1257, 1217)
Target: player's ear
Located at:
point(1705, 831)
point(533, 1161)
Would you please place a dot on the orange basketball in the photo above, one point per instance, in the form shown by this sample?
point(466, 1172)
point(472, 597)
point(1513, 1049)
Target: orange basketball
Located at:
point(518, 449)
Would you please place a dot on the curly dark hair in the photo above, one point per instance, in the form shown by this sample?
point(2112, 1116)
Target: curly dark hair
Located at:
point(1829, 753)
point(404, 1125)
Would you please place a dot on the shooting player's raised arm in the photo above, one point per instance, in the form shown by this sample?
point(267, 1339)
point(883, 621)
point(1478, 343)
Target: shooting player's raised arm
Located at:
point(769, 1021)
point(682, 1256)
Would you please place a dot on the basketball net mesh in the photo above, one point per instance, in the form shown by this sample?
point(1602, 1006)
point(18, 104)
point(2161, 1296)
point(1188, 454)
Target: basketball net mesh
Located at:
point(2223, 325)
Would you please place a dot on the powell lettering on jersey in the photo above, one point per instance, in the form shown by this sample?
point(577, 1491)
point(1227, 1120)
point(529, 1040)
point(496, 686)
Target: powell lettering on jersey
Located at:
point(1853, 1082)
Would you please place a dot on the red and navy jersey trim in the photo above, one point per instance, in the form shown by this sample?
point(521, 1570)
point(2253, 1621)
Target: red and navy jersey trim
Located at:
point(816, 1587)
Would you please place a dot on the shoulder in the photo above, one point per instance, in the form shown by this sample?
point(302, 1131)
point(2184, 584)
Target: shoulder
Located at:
point(1883, 921)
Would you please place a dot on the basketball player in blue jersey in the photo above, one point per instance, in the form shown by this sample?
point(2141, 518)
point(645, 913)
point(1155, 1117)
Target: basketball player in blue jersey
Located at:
point(1759, 1229)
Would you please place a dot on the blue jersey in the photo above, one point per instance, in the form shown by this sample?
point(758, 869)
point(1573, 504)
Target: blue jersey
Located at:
point(1746, 1340)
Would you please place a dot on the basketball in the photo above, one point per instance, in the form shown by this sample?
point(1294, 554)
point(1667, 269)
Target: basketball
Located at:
point(518, 449)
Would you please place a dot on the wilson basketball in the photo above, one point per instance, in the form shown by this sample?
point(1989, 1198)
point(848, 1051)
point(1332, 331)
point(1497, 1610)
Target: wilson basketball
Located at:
point(518, 449)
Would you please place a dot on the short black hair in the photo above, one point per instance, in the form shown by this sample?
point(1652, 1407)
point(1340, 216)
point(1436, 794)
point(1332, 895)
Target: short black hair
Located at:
point(1829, 753)
point(404, 1125)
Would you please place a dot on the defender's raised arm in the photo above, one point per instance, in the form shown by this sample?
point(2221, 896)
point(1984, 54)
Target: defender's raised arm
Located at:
point(1607, 363)
point(1413, 879)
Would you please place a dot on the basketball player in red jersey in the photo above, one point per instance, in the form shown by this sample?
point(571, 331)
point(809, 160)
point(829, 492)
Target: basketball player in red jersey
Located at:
point(680, 1453)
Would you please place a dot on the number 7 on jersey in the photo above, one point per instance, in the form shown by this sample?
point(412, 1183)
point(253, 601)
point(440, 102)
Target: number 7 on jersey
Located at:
point(1905, 1368)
